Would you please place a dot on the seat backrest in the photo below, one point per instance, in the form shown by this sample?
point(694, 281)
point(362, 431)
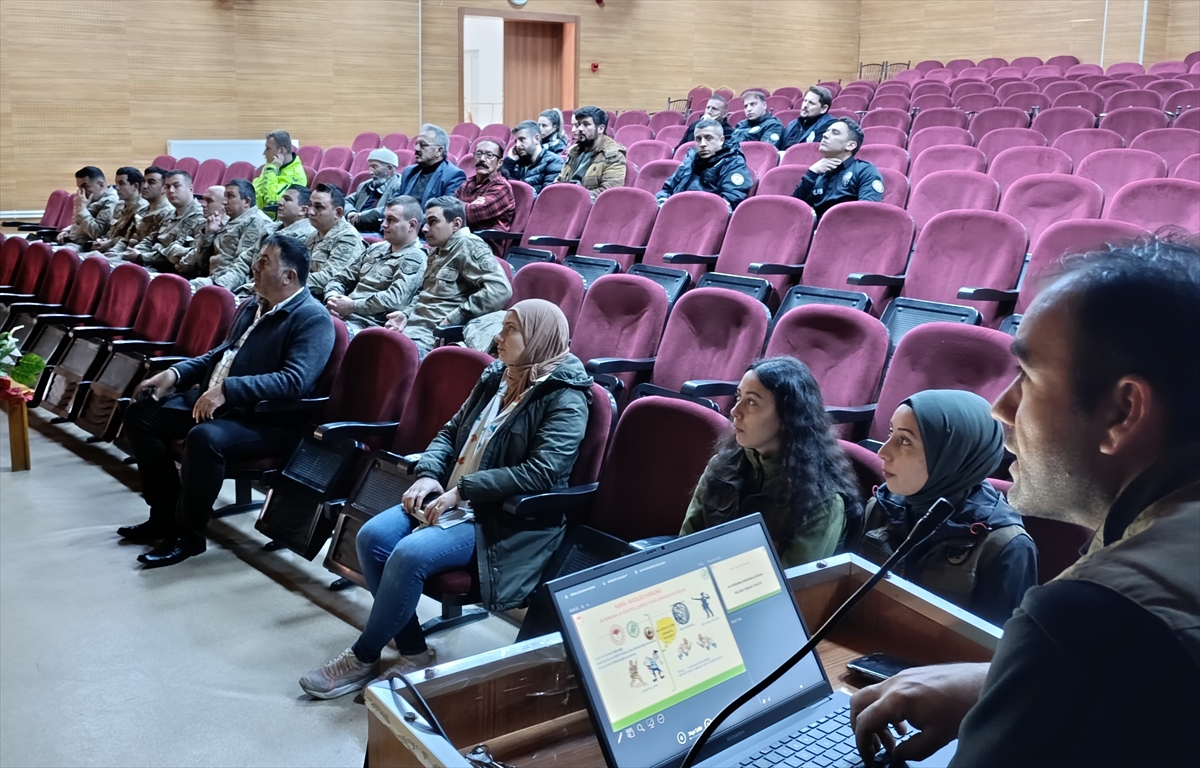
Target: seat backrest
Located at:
point(918, 141)
point(1064, 238)
point(844, 348)
point(671, 134)
point(683, 150)
point(311, 155)
point(640, 153)
point(893, 117)
point(166, 162)
point(337, 157)
point(189, 165)
point(1027, 100)
point(1026, 63)
point(996, 118)
point(367, 140)
point(802, 154)
point(1085, 99)
point(555, 283)
point(1157, 203)
point(882, 156)
point(206, 321)
point(1188, 168)
point(1017, 162)
point(1165, 88)
point(782, 180)
point(31, 268)
point(852, 101)
point(658, 452)
point(895, 187)
point(360, 164)
point(341, 340)
point(496, 131)
point(1063, 62)
point(460, 145)
point(949, 191)
point(1084, 69)
point(767, 228)
point(689, 222)
point(1133, 97)
point(1125, 68)
point(939, 116)
point(928, 65)
point(88, 285)
point(57, 277)
point(621, 215)
point(858, 237)
point(961, 249)
point(1013, 87)
point(1171, 144)
point(162, 308)
point(629, 134)
point(1039, 200)
point(1056, 121)
point(54, 206)
point(395, 141)
point(468, 130)
point(896, 101)
point(660, 120)
point(210, 173)
point(238, 170)
point(632, 117)
point(654, 174)
point(523, 197)
point(1131, 121)
point(1056, 89)
point(1112, 169)
point(995, 142)
point(931, 100)
point(948, 157)
point(602, 420)
point(335, 177)
point(443, 382)
point(944, 356)
point(969, 86)
point(621, 316)
point(977, 102)
point(712, 333)
point(559, 211)
point(1184, 101)
point(375, 378)
point(122, 295)
point(760, 157)
point(881, 135)
point(1080, 143)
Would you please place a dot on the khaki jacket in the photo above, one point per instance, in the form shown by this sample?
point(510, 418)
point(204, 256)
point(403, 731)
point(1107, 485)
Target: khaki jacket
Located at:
point(237, 277)
point(382, 281)
point(607, 169)
point(224, 248)
point(176, 237)
point(94, 220)
point(330, 254)
point(124, 224)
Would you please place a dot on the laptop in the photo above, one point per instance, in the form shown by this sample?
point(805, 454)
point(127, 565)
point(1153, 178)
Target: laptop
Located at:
point(663, 639)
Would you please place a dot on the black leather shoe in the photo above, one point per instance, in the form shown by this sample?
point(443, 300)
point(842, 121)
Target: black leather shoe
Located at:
point(170, 552)
point(144, 533)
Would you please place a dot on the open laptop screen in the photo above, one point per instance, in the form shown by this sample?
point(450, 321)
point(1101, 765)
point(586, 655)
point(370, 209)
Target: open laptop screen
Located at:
point(664, 639)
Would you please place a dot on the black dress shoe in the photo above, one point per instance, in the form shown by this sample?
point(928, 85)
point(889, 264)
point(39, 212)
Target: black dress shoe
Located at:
point(170, 552)
point(144, 533)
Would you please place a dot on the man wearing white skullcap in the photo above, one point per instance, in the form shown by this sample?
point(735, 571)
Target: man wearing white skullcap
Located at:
point(364, 208)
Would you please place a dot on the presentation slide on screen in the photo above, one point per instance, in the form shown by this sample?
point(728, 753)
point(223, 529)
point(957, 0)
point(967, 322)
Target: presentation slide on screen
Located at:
point(659, 646)
point(745, 579)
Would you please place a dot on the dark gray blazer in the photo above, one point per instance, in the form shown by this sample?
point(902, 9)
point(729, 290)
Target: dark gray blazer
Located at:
point(446, 180)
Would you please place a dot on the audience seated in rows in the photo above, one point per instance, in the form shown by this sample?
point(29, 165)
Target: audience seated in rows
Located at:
point(713, 165)
point(94, 203)
point(227, 237)
point(432, 174)
point(364, 207)
point(529, 160)
point(595, 160)
point(518, 433)
point(276, 350)
point(128, 213)
point(814, 118)
point(291, 221)
point(945, 443)
point(550, 126)
point(487, 196)
point(123, 247)
point(717, 109)
point(281, 170)
point(759, 125)
point(180, 228)
point(462, 278)
point(839, 176)
point(780, 459)
point(388, 275)
point(335, 244)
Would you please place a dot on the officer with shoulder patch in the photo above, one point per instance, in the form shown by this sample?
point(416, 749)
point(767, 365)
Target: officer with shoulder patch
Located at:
point(839, 176)
point(814, 118)
point(713, 165)
point(759, 124)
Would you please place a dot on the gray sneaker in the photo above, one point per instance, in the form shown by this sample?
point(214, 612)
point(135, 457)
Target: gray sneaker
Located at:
point(406, 665)
point(345, 674)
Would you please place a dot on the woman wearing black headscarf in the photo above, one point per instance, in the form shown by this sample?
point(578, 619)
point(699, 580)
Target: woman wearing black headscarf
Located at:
point(945, 443)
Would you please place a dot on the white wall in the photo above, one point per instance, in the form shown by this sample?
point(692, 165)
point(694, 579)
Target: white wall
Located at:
point(483, 41)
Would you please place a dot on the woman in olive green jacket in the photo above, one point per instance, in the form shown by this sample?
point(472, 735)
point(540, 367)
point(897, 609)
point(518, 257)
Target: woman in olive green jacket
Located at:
point(782, 460)
point(518, 433)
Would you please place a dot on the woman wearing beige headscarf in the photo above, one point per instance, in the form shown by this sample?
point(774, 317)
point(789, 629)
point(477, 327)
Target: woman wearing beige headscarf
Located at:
point(518, 433)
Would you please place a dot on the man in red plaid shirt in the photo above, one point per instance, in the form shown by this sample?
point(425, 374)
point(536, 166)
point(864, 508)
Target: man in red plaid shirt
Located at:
point(487, 195)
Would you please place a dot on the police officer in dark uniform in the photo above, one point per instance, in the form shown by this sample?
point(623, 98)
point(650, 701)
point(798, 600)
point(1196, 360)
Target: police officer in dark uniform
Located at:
point(759, 125)
point(814, 118)
point(716, 109)
point(839, 176)
point(714, 165)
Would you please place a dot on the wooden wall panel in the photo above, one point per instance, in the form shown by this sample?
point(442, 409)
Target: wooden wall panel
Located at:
point(532, 68)
point(1183, 28)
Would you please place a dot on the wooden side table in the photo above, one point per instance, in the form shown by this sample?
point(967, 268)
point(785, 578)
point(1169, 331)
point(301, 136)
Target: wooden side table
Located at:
point(12, 402)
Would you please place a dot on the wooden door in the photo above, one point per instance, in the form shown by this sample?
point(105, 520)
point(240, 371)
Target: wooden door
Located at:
point(533, 69)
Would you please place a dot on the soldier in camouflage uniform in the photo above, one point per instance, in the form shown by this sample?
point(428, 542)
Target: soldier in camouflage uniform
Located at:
point(336, 244)
point(241, 231)
point(125, 218)
point(94, 205)
point(387, 276)
point(293, 222)
point(462, 279)
point(179, 231)
point(148, 221)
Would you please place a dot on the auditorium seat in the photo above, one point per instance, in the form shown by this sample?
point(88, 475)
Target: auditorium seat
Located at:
point(992, 64)
point(851, 101)
point(1027, 101)
point(671, 134)
point(334, 176)
point(881, 135)
point(1182, 101)
point(552, 282)
point(948, 157)
point(1130, 122)
point(1056, 121)
point(1107, 88)
point(895, 187)
point(654, 174)
point(210, 173)
point(239, 170)
point(977, 102)
point(1039, 200)
point(935, 136)
point(30, 265)
point(621, 316)
point(310, 175)
point(1079, 70)
point(460, 145)
point(498, 131)
point(789, 92)
point(939, 117)
point(884, 156)
point(1189, 120)
point(87, 286)
point(1133, 97)
point(358, 166)
point(1089, 100)
point(311, 155)
point(943, 191)
point(927, 65)
point(639, 153)
point(523, 197)
point(49, 286)
point(395, 141)
point(365, 141)
point(1157, 203)
point(560, 211)
point(1013, 88)
point(1056, 89)
point(1167, 88)
point(1112, 169)
point(337, 157)
point(1125, 68)
point(1016, 162)
point(995, 142)
point(627, 135)
point(931, 101)
point(1080, 143)
point(631, 117)
point(892, 100)
point(663, 119)
point(1171, 144)
point(893, 117)
point(760, 157)
point(968, 87)
point(996, 118)
point(190, 165)
point(784, 179)
point(52, 211)
point(1188, 168)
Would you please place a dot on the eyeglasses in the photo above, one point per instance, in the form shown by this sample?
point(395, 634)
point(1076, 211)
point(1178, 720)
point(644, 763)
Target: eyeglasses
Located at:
point(483, 154)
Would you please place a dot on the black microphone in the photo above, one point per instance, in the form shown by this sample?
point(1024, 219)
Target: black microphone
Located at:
point(939, 513)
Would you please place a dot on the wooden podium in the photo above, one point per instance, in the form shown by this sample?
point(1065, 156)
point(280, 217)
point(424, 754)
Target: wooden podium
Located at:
point(523, 701)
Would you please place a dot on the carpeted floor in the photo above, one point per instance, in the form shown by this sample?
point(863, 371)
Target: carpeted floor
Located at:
point(104, 664)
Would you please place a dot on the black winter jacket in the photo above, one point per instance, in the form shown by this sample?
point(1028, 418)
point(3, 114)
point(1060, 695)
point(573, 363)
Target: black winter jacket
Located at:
point(536, 175)
point(724, 174)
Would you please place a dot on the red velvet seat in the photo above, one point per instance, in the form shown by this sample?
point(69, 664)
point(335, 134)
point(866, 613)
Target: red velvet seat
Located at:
point(1001, 139)
point(1112, 169)
point(1158, 203)
point(1080, 143)
point(1018, 162)
point(1039, 200)
point(943, 191)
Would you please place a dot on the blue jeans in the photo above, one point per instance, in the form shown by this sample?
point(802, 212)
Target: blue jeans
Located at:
point(396, 560)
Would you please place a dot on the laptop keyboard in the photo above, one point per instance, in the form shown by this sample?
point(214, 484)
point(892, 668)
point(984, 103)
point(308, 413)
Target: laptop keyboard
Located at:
point(826, 743)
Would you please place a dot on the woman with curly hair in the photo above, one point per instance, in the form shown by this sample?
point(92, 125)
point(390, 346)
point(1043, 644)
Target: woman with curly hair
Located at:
point(781, 459)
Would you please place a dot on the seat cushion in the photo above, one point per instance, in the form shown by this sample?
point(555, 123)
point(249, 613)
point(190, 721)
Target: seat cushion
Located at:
point(453, 584)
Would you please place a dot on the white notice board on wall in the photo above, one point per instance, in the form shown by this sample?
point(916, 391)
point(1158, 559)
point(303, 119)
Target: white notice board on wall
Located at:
point(229, 150)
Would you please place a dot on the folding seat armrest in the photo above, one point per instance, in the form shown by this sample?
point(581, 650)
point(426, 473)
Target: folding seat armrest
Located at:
point(138, 345)
point(157, 364)
point(850, 415)
point(33, 308)
point(54, 318)
point(758, 268)
point(299, 405)
point(689, 258)
point(11, 298)
point(98, 331)
point(651, 541)
point(354, 430)
point(23, 227)
point(628, 250)
point(546, 241)
point(609, 382)
point(499, 236)
point(869, 278)
point(871, 445)
point(536, 503)
point(619, 364)
point(708, 388)
point(988, 294)
point(451, 334)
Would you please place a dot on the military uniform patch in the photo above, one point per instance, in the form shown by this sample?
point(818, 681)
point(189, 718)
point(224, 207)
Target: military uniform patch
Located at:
point(738, 179)
point(847, 177)
point(877, 185)
point(774, 137)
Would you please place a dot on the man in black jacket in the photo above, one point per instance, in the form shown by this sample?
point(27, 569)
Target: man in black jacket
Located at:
point(712, 166)
point(759, 124)
point(716, 109)
point(276, 350)
point(839, 176)
point(814, 118)
point(528, 161)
